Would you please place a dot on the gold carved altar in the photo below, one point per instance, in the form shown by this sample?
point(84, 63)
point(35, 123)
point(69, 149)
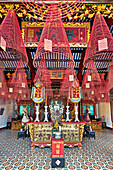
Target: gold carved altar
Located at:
point(41, 133)
point(73, 133)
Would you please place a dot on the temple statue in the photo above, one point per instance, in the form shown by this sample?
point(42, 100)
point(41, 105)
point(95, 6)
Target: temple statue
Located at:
point(25, 115)
point(87, 118)
point(56, 109)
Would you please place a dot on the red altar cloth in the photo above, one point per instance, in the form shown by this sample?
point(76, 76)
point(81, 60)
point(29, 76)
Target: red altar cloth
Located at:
point(57, 148)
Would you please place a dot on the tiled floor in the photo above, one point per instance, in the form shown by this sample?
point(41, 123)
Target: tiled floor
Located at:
point(17, 154)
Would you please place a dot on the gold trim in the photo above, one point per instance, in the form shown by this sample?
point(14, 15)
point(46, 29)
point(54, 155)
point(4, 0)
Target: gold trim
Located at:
point(85, 11)
point(81, 130)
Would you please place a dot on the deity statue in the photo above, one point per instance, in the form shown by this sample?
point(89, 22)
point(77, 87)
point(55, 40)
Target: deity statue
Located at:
point(56, 109)
point(87, 118)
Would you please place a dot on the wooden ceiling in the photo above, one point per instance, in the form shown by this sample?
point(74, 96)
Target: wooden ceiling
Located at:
point(100, 1)
point(87, 1)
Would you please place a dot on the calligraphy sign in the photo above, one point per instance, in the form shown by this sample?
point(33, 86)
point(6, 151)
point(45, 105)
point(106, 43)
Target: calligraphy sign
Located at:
point(56, 74)
point(77, 33)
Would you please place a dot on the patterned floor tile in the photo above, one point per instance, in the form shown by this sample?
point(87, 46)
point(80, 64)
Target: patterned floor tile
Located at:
point(17, 154)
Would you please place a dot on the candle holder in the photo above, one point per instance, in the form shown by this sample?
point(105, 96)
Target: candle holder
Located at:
point(37, 114)
point(76, 114)
point(67, 113)
point(46, 113)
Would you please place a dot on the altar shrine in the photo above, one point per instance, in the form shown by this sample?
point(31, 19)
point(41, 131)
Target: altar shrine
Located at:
point(41, 133)
point(56, 84)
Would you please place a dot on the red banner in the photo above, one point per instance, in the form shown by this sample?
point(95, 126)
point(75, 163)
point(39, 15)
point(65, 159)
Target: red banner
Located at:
point(57, 148)
point(37, 92)
point(76, 93)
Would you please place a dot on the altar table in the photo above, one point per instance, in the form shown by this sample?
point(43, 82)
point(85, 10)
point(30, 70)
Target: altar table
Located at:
point(73, 133)
point(41, 133)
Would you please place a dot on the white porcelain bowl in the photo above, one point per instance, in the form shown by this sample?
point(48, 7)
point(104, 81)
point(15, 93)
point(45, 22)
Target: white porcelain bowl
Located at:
point(57, 135)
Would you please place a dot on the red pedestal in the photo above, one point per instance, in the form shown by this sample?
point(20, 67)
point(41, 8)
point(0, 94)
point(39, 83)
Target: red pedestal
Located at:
point(57, 148)
point(58, 160)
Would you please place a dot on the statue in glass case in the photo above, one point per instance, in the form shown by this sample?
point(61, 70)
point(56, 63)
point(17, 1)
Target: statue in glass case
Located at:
point(56, 110)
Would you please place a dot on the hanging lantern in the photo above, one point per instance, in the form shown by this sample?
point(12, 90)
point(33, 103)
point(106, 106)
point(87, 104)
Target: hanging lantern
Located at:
point(90, 82)
point(69, 81)
point(76, 95)
point(53, 40)
point(100, 45)
point(11, 40)
point(18, 87)
point(43, 76)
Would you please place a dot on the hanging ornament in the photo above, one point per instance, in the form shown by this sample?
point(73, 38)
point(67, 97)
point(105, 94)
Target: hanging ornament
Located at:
point(11, 40)
point(76, 95)
point(100, 45)
point(18, 87)
point(43, 76)
point(38, 92)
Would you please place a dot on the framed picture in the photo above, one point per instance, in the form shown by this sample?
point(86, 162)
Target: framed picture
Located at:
point(91, 108)
point(23, 106)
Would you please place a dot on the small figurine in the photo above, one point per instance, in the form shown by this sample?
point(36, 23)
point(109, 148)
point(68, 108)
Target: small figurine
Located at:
point(25, 115)
point(87, 118)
